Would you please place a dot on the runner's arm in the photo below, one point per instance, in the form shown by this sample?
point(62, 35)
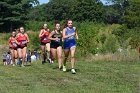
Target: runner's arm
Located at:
point(40, 34)
point(76, 33)
point(9, 42)
point(16, 39)
point(50, 36)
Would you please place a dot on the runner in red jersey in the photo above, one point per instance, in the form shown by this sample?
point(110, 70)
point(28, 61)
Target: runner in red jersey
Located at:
point(45, 43)
point(13, 47)
point(22, 41)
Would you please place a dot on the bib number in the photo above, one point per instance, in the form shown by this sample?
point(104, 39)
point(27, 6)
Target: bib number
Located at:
point(23, 42)
point(14, 44)
point(72, 37)
point(45, 39)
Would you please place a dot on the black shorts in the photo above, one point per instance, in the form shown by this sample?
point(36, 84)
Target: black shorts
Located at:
point(55, 45)
point(43, 44)
point(21, 47)
point(13, 48)
point(4, 60)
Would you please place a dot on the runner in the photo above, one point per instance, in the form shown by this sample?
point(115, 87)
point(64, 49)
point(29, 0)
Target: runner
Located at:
point(22, 40)
point(70, 35)
point(56, 44)
point(13, 47)
point(45, 43)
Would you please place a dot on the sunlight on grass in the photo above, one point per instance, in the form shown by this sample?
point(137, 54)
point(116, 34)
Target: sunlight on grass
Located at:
point(91, 77)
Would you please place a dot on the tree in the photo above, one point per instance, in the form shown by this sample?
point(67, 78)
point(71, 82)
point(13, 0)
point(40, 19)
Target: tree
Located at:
point(88, 10)
point(13, 13)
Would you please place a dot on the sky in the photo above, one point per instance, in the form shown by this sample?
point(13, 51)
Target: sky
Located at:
point(46, 1)
point(43, 1)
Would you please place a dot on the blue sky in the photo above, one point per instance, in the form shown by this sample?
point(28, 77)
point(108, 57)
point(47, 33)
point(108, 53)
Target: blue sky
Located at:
point(43, 1)
point(46, 1)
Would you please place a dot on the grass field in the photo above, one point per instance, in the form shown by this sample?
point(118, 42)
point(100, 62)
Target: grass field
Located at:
point(91, 77)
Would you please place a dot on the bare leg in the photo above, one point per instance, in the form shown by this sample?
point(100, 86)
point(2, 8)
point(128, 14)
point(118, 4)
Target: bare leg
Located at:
point(48, 50)
point(24, 51)
point(66, 53)
point(53, 51)
point(72, 50)
point(43, 53)
point(59, 54)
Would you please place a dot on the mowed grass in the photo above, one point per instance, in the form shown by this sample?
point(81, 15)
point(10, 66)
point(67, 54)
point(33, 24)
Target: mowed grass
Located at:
point(91, 77)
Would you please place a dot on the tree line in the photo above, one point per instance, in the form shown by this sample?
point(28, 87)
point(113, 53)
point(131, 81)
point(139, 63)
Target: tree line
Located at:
point(15, 13)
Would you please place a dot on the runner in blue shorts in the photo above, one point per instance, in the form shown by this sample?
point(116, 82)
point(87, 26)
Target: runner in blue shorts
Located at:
point(70, 36)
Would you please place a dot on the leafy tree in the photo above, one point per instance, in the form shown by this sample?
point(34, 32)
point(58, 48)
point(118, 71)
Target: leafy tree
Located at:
point(91, 10)
point(14, 13)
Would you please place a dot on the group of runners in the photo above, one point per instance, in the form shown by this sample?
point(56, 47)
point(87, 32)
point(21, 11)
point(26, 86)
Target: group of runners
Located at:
point(51, 44)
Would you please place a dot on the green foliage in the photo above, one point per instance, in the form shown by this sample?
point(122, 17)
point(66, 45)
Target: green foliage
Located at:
point(34, 40)
point(14, 13)
point(34, 25)
point(131, 17)
point(38, 13)
point(88, 10)
point(111, 44)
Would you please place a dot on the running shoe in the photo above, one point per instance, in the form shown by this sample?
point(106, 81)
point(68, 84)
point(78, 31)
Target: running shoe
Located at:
point(73, 71)
point(22, 65)
point(52, 61)
point(13, 65)
point(49, 61)
point(43, 62)
point(60, 68)
point(64, 68)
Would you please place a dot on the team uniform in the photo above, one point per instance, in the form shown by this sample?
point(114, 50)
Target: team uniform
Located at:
point(44, 39)
point(13, 43)
point(22, 40)
point(56, 44)
point(71, 41)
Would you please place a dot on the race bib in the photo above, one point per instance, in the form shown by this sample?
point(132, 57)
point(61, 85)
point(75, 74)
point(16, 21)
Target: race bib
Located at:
point(72, 37)
point(23, 42)
point(14, 44)
point(58, 40)
point(45, 39)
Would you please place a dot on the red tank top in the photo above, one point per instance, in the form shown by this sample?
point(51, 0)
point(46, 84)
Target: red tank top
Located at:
point(44, 38)
point(13, 43)
point(22, 40)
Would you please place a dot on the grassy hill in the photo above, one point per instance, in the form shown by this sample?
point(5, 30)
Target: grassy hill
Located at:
point(91, 77)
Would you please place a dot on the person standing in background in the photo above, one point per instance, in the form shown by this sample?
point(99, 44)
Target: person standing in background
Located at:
point(4, 57)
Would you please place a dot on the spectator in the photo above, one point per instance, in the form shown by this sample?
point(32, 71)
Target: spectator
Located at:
point(33, 57)
point(29, 56)
point(8, 58)
point(4, 57)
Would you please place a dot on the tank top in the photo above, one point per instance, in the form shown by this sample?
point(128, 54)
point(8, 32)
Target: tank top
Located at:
point(22, 39)
point(44, 38)
point(13, 43)
point(68, 32)
point(57, 35)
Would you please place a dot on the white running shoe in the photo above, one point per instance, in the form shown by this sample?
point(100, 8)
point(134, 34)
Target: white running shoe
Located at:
point(73, 71)
point(52, 61)
point(22, 65)
point(64, 68)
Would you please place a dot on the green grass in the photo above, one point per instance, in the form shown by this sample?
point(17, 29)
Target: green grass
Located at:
point(91, 77)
